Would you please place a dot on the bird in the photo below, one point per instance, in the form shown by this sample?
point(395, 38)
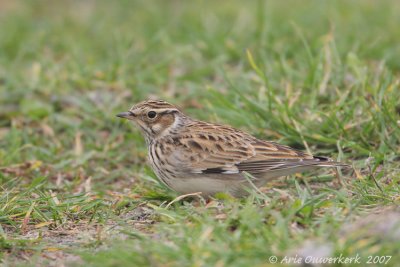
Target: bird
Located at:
point(191, 156)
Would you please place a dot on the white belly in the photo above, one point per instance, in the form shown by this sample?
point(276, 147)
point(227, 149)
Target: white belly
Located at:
point(207, 185)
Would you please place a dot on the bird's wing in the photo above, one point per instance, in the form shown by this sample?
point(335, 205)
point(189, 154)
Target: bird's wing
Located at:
point(223, 150)
point(213, 153)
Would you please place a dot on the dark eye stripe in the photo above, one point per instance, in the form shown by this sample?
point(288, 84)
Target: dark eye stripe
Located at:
point(169, 111)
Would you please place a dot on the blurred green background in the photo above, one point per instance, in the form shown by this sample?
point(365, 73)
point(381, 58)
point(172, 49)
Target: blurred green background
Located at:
point(321, 76)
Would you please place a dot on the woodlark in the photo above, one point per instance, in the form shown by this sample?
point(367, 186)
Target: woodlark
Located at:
point(195, 156)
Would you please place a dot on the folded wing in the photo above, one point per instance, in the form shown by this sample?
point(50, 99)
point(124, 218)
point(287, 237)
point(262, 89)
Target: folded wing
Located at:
point(223, 150)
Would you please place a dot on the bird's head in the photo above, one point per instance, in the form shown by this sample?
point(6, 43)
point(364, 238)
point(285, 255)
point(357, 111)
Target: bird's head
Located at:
point(154, 117)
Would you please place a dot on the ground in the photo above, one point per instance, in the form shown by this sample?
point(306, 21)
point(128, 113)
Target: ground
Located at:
point(320, 76)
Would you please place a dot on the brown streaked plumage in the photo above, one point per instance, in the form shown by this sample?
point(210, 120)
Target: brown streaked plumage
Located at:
point(194, 156)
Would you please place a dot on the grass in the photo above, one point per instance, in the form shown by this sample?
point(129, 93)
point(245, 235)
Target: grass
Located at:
point(319, 76)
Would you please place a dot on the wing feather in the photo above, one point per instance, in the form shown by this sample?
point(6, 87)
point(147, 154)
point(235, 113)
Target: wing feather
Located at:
point(224, 150)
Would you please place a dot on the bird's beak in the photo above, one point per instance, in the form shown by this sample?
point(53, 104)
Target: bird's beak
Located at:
point(126, 115)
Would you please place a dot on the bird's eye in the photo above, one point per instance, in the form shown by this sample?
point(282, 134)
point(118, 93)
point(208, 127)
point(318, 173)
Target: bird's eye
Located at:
point(151, 114)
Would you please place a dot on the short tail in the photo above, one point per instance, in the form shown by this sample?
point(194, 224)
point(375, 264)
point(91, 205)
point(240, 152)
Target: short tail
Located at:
point(284, 168)
point(327, 162)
